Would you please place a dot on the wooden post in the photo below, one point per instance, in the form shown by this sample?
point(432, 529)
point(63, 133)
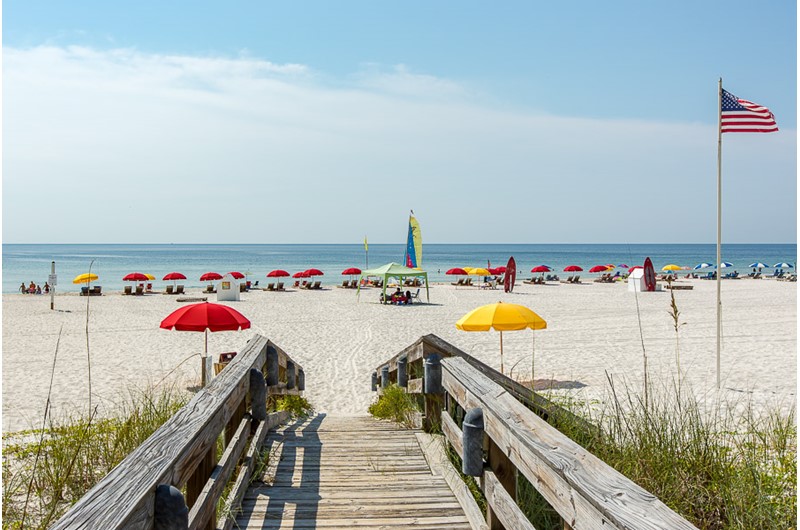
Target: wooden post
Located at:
point(272, 366)
point(385, 376)
point(171, 512)
point(301, 380)
point(198, 481)
point(290, 375)
point(258, 395)
point(434, 393)
point(472, 443)
point(374, 381)
point(402, 372)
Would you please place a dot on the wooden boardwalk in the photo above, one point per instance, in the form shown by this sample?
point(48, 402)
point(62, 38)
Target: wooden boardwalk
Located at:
point(348, 472)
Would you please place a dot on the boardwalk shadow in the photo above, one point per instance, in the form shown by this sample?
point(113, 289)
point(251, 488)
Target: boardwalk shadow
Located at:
point(297, 478)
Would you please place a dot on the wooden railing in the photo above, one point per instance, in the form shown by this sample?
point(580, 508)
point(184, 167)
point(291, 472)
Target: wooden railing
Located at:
point(490, 423)
point(146, 490)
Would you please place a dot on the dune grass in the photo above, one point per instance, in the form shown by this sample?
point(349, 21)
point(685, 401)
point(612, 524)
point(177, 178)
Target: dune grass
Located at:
point(395, 405)
point(719, 465)
point(44, 473)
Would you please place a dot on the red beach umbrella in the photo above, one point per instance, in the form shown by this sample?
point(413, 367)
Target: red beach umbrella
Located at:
point(237, 275)
point(174, 276)
point(598, 268)
point(541, 268)
point(301, 274)
point(351, 271)
point(572, 268)
point(457, 271)
point(210, 277)
point(278, 273)
point(135, 277)
point(205, 317)
point(315, 272)
point(499, 270)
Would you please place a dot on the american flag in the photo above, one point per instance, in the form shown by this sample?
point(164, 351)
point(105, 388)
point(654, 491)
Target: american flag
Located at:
point(739, 115)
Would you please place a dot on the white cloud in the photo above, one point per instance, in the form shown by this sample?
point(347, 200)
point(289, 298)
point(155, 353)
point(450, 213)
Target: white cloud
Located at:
point(124, 146)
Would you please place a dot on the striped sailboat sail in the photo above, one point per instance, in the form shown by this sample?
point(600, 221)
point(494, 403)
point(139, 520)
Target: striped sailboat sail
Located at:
point(413, 256)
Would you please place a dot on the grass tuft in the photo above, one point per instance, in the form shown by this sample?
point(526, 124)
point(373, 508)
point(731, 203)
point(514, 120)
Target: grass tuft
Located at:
point(395, 405)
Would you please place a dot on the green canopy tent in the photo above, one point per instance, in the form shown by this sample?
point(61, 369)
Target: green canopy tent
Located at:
point(394, 270)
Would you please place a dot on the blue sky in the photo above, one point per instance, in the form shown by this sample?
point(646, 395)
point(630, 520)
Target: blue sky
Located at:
point(320, 121)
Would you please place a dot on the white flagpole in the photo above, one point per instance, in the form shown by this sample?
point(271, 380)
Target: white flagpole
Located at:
point(719, 231)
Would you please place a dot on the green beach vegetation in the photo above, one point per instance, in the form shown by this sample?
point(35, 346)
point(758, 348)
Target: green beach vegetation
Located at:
point(46, 472)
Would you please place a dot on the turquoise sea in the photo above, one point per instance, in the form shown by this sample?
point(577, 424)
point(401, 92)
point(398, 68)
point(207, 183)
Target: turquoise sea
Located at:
point(26, 263)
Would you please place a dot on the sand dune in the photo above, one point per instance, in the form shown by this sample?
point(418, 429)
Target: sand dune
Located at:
point(593, 329)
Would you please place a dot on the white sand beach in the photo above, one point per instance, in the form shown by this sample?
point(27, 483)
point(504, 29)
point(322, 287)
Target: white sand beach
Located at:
point(593, 329)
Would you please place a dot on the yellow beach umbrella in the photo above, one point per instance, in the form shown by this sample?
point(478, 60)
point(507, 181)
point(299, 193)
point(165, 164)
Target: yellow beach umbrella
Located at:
point(479, 271)
point(671, 267)
point(501, 317)
point(467, 269)
point(150, 277)
point(85, 278)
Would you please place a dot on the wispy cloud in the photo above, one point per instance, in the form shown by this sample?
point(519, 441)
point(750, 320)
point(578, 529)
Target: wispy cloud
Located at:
point(243, 149)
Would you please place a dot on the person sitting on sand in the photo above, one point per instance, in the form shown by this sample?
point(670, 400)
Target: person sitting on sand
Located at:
point(38, 289)
point(32, 288)
point(408, 297)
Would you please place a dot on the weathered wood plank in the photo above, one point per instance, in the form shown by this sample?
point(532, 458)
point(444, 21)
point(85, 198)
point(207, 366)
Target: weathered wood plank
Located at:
point(203, 509)
point(585, 491)
point(504, 507)
point(433, 447)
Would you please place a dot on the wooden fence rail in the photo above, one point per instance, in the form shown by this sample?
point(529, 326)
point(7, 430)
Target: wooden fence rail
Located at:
point(146, 490)
point(514, 440)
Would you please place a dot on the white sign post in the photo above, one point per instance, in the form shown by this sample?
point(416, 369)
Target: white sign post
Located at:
point(52, 280)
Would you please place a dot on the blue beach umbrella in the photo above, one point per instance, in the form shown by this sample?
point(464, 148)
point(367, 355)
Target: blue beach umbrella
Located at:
point(725, 265)
point(759, 265)
point(783, 265)
point(703, 265)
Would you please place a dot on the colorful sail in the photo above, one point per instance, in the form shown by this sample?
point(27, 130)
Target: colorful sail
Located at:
point(413, 257)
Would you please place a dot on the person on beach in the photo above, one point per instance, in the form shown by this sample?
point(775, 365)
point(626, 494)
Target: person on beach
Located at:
point(46, 288)
point(38, 290)
point(408, 297)
point(22, 288)
point(32, 288)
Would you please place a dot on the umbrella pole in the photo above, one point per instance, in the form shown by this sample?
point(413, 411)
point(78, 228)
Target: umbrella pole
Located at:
point(203, 375)
point(501, 353)
point(533, 358)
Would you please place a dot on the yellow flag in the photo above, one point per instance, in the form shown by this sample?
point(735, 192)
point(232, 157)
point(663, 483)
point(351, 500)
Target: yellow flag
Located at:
point(366, 247)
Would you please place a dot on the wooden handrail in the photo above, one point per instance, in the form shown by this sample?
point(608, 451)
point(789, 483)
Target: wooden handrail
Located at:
point(182, 452)
point(584, 490)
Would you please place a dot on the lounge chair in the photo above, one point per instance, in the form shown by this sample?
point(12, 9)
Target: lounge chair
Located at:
point(345, 284)
point(468, 282)
point(139, 290)
point(353, 284)
point(296, 283)
point(169, 289)
point(577, 279)
point(84, 291)
point(179, 289)
point(210, 288)
point(279, 287)
point(128, 290)
point(317, 285)
point(149, 288)
point(414, 297)
point(568, 280)
point(242, 287)
point(255, 285)
point(270, 287)
point(459, 283)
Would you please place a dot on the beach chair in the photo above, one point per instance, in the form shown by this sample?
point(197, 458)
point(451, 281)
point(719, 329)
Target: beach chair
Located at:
point(127, 290)
point(354, 284)
point(345, 284)
point(255, 285)
point(468, 282)
point(270, 287)
point(169, 289)
point(149, 288)
point(210, 288)
point(242, 288)
point(179, 289)
point(568, 280)
point(577, 279)
point(279, 287)
point(139, 290)
point(317, 285)
point(458, 283)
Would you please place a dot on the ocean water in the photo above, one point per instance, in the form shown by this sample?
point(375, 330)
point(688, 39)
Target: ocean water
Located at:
point(26, 263)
